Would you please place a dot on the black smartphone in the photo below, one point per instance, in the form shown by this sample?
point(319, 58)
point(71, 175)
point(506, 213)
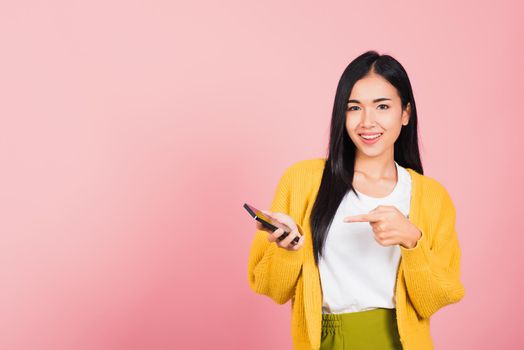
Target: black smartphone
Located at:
point(265, 221)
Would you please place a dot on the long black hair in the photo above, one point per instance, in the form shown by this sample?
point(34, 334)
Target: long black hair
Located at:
point(337, 178)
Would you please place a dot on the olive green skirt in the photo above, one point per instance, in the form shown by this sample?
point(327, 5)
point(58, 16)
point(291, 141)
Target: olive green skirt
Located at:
point(371, 329)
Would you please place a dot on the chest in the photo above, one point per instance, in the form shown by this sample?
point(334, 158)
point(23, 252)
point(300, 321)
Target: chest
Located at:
point(374, 188)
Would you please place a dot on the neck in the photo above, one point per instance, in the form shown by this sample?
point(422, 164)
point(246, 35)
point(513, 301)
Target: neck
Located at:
point(379, 167)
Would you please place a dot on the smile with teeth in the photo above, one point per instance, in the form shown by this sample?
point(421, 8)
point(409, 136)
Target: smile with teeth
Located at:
point(370, 137)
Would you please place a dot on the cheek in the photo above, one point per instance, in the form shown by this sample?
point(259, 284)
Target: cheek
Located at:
point(391, 121)
point(391, 125)
point(351, 123)
point(393, 130)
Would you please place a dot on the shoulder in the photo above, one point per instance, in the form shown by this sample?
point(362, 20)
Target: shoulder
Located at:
point(303, 174)
point(432, 189)
point(305, 167)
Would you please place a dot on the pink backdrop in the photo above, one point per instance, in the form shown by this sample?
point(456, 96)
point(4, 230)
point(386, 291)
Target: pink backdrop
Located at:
point(129, 139)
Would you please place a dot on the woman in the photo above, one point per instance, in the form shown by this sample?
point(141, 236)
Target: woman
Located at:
point(378, 252)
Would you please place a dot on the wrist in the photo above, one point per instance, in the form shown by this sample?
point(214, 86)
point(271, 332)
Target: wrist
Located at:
point(408, 245)
point(413, 243)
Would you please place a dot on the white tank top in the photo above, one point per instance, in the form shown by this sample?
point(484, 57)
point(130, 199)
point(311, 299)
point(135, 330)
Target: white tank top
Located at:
point(356, 272)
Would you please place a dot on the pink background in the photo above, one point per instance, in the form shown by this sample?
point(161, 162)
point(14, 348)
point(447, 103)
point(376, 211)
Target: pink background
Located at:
point(129, 139)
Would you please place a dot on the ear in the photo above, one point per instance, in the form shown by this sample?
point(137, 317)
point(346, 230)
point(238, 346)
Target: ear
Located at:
point(406, 113)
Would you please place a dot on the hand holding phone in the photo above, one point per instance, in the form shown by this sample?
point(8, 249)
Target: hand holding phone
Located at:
point(282, 228)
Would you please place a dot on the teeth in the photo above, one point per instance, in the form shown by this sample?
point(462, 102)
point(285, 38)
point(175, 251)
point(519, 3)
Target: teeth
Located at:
point(370, 137)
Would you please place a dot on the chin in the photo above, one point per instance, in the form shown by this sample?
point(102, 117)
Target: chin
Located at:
point(374, 153)
point(371, 151)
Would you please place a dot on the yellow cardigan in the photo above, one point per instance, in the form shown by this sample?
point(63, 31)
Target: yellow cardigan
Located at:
point(428, 277)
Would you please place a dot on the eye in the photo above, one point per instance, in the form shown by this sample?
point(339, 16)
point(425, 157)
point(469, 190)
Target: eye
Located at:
point(350, 108)
point(387, 107)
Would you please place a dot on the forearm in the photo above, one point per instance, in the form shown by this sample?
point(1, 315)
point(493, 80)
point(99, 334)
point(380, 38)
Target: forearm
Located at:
point(432, 280)
point(274, 271)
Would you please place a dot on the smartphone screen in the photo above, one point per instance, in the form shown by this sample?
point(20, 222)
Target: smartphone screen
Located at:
point(266, 222)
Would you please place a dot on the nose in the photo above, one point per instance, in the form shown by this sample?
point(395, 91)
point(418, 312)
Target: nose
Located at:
point(368, 118)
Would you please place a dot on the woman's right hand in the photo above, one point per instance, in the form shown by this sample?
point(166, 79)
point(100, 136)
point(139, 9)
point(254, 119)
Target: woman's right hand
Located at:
point(287, 221)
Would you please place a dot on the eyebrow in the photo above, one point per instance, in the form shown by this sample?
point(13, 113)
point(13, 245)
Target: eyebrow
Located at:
point(374, 101)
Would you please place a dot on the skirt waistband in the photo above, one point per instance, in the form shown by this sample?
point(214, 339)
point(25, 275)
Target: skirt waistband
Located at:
point(365, 330)
point(358, 318)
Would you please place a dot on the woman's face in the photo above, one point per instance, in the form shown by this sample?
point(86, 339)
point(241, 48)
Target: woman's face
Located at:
point(374, 107)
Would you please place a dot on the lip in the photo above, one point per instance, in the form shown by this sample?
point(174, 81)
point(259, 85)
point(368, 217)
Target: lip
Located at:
point(370, 142)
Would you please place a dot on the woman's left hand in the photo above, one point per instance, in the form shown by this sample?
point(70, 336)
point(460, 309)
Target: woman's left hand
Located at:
point(389, 226)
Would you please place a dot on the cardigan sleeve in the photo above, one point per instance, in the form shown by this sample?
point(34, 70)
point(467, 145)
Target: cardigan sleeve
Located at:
point(274, 271)
point(432, 268)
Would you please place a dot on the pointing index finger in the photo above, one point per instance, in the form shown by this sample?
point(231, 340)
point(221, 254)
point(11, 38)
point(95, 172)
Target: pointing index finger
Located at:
point(370, 217)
